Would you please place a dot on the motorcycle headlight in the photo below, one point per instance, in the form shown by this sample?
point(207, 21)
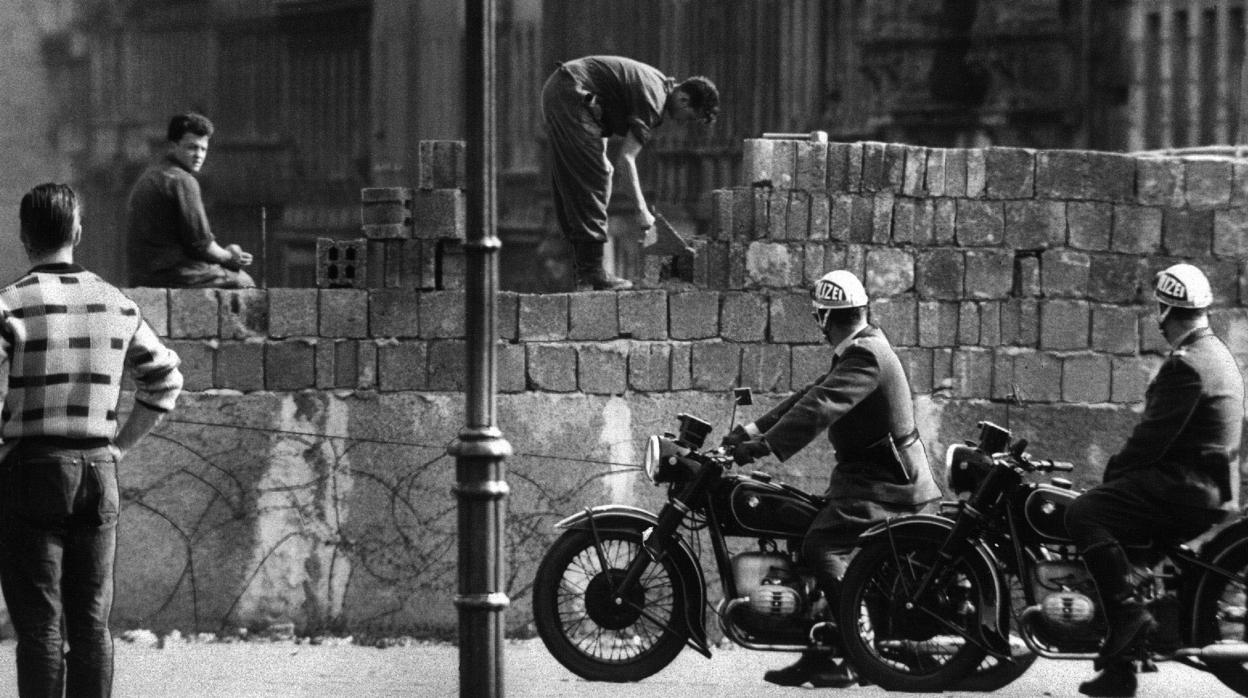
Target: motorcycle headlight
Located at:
point(664, 462)
point(965, 469)
point(653, 454)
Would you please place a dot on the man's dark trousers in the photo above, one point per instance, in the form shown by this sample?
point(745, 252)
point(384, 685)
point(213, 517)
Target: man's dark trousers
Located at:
point(59, 533)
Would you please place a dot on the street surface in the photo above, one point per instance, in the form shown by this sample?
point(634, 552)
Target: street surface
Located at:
point(263, 669)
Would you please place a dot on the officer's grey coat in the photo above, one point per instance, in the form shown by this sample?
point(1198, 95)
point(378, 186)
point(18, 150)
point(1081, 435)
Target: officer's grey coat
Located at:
point(863, 398)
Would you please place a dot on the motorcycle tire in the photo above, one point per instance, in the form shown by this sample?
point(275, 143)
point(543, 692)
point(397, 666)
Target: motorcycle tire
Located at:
point(1220, 612)
point(595, 639)
point(903, 649)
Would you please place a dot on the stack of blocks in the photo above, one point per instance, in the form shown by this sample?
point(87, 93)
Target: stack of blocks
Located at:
point(413, 237)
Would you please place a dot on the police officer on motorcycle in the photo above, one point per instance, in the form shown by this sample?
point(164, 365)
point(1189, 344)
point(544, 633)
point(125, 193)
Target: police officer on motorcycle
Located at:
point(864, 404)
point(1171, 477)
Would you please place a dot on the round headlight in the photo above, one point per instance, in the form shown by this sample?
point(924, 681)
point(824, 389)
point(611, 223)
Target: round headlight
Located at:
point(965, 468)
point(652, 457)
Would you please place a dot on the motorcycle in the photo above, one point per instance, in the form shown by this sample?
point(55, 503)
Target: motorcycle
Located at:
point(928, 597)
point(621, 592)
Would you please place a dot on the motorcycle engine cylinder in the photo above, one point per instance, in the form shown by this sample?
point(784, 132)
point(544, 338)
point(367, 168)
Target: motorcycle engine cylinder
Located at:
point(775, 600)
point(750, 569)
point(1068, 609)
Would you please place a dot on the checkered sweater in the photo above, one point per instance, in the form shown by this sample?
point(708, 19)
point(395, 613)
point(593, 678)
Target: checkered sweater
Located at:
point(66, 336)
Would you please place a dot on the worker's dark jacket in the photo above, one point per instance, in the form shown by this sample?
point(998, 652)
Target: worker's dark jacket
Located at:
point(861, 401)
point(1193, 418)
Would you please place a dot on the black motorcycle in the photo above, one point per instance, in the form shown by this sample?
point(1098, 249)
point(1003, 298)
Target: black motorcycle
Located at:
point(929, 597)
point(622, 591)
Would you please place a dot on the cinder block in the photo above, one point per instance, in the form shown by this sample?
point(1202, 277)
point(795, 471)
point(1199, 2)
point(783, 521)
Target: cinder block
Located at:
point(1020, 322)
point(942, 370)
point(511, 371)
point(1239, 187)
point(938, 323)
point(769, 264)
point(1086, 378)
point(1088, 224)
point(924, 223)
point(1130, 376)
point(344, 313)
point(778, 214)
point(1009, 172)
point(1187, 232)
point(1209, 181)
point(447, 358)
point(1060, 174)
point(757, 161)
point(904, 212)
point(602, 369)
point(812, 166)
point(894, 167)
point(1231, 325)
point(899, 318)
point(1151, 339)
point(1159, 181)
point(643, 314)
point(198, 362)
point(441, 314)
point(934, 176)
point(290, 364)
point(240, 366)
point(783, 164)
point(914, 175)
point(976, 173)
point(543, 317)
point(1027, 276)
point(882, 219)
point(386, 206)
point(917, 364)
point(1230, 232)
point(820, 213)
point(990, 323)
point(1064, 273)
point(325, 357)
point(552, 367)
point(1136, 229)
point(989, 273)
point(765, 367)
point(153, 307)
point(790, 321)
point(972, 372)
point(682, 369)
point(1038, 375)
point(861, 218)
point(716, 366)
point(649, 366)
point(693, 314)
point(760, 229)
point(980, 223)
point(874, 173)
point(443, 165)
point(722, 210)
point(341, 263)
point(403, 366)
point(243, 313)
point(593, 316)
point(1115, 329)
point(387, 231)
point(1109, 177)
point(193, 313)
point(452, 264)
point(807, 364)
point(365, 365)
point(890, 271)
point(293, 312)
point(743, 317)
point(844, 167)
point(394, 312)
point(939, 273)
point(944, 222)
point(439, 214)
point(797, 223)
point(968, 324)
point(1033, 225)
point(1064, 324)
point(955, 172)
point(1003, 386)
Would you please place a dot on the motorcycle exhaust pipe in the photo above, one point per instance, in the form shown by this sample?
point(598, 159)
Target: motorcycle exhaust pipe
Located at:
point(1221, 651)
point(725, 611)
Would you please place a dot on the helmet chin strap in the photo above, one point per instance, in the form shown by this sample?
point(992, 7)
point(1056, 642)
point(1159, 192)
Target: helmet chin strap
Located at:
point(1165, 313)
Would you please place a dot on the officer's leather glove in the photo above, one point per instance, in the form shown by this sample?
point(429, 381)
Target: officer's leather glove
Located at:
point(735, 437)
point(747, 451)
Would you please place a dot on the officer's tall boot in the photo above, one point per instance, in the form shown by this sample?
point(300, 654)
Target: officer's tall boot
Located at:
point(1129, 621)
point(589, 272)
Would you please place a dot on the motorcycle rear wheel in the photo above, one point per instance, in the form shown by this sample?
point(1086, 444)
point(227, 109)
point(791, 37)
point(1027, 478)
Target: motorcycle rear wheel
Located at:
point(594, 638)
point(908, 649)
point(1222, 615)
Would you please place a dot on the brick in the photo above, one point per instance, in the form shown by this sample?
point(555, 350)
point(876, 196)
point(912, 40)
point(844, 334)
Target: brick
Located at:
point(240, 366)
point(840, 217)
point(716, 366)
point(1088, 224)
point(990, 323)
point(365, 365)
point(1159, 181)
point(1136, 229)
point(924, 223)
point(820, 213)
point(898, 317)
point(790, 321)
point(861, 218)
point(1208, 181)
point(844, 172)
point(682, 370)
point(917, 365)
point(1060, 174)
point(1020, 322)
point(980, 223)
point(441, 314)
point(193, 313)
point(972, 372)
point(1038, 376)
point(904, 212)
point(643, 314)
point(1130, 376)
point(989, 273)
point(778, 214)
point(942, 371)
point(812, 166)
point(797, 218)
point(769, 264)
point(552, 367)
point(404, 366)
point(1230, 232)
point(442, 165)
point(393, 312)
point(602, 369)
point(783, 163)
point(1115, 329)
point(976, 173)
point(934, 176)
point(874, 175)
point(1064, 324)
point(153, 307)
point(808, 363)
point(955, 173)
point(882, 219)
point(944, 222)
point(939, 273)
point(1009, 172)
point(324, 363)
point(914, 176)
point(743, 317)
point(446, 365)
point(894, 167)
point(543, 317)
point(1064, 273)
point(290, 364)
point(757, 161)
point(1027, 276)
point(1033, 225)
point(439, 214)
point(593, 315)
point(1108, 177)
point(1187, 232)
point(198, 361)
point(1086, 378)
point(890, 271)
point(968, 324)
point(1239, 187)
point(511, 368)
point(693, 314)
point(938, 323)
point(649, 366)
point(1003, 386)
point(344, 312)
point(765, 367)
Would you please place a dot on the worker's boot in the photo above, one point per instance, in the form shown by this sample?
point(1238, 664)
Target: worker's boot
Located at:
point(1129, 621)
point(816, 668)
point(589, 272)
point(1117, 678)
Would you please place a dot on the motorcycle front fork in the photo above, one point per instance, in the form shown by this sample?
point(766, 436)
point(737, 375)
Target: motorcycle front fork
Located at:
point(653, 545)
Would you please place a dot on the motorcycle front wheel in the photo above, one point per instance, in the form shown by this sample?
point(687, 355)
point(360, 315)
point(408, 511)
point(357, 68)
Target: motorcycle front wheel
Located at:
point(589, 634)
point(920, 648)
point(1222, 616)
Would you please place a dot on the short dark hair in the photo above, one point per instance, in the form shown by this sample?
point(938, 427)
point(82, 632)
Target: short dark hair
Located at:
point(48, 213)
point(189, 122)
point(703, 96)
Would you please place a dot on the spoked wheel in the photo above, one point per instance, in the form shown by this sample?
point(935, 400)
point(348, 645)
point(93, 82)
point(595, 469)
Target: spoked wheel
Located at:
point(922, 647)
point(578, 620)
point(1222, 616)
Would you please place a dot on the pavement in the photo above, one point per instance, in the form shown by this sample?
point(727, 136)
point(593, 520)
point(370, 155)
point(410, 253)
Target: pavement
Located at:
point(282, 669)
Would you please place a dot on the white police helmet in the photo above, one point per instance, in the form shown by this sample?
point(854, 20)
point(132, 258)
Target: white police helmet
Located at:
point(838, 289)
point(1182, 286)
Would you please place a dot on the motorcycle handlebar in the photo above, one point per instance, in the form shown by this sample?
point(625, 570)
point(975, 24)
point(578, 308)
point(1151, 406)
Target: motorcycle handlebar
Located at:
point(1046, 464)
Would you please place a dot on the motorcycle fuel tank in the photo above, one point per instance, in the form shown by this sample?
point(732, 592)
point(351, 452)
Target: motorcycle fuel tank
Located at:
point(765, 509)
point(1045, 510)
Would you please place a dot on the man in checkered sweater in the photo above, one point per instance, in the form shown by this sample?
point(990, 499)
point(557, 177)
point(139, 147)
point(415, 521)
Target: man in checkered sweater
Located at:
point(66, 336)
